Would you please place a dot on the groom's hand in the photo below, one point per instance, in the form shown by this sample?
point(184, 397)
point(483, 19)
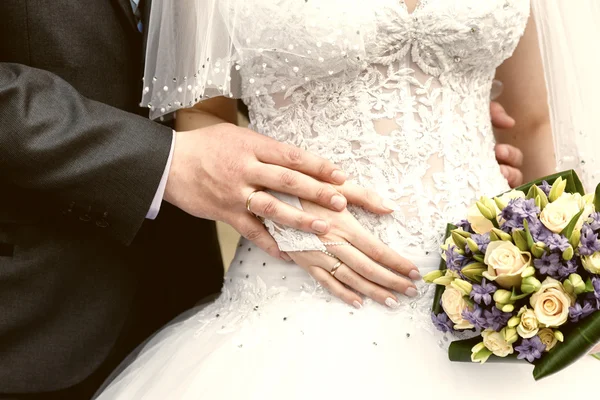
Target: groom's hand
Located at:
point(215, 170)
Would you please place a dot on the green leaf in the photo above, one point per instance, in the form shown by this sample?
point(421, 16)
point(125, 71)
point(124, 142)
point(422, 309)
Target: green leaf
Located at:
point(528, 236)
point(574, 184)
point(597, 198)
point(520, 239)
point(460, 351)
point(439, 290)
point(578, 342)
point(596, 356)
point(568, 231)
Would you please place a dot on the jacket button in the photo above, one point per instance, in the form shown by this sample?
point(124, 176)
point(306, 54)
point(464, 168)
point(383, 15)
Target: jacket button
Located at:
point(69, 211)
point(86, 217)
point(103, 223)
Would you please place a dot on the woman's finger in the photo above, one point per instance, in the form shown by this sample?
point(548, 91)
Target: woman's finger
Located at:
point(380, 253)
point(253, 230)
point(267, 206)
point(334, 286)
point(373, 272)
point(353, 280)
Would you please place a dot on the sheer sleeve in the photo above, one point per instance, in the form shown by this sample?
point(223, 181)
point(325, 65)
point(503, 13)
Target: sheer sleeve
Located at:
point(568, 33)
point(204, 48)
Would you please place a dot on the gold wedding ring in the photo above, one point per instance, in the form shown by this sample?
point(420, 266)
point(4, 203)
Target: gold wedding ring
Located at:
point(249, 201)
point(335, 268)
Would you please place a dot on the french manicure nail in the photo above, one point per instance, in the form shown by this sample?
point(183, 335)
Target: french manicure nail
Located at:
point(357, 305)
point(411, 292)
point(319, 226)
point(389, 204)
point(338, 202)
point(338, 176)
point(391, 303)
point(414, 275)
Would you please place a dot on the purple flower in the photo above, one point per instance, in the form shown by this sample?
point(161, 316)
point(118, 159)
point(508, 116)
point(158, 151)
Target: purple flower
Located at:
point(482, 241)
point(442, 322)
point(546, 187)
point(454, 261)
point(578, 312)
point(539, 232)
point(548, 264)
point(596, 285)
point(565, 269)
point(465, 225)
point(589, 241)
point(483, 293)
point(496, 319)
point(595, 221)
point(557, 242)
point(476, 317)
point(518, 210)
point(530, 349)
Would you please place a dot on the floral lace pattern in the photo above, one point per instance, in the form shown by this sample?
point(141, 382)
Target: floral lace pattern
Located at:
point(414, 124)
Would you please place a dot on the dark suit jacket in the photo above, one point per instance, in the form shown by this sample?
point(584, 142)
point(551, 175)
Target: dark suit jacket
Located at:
point(84, 276)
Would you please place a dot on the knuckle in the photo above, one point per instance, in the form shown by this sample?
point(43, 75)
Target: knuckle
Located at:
point(322, 169)
point(300, 221)
point(367, 270)
point(252, 234)
point(322, 193)
point(288, 179)
point(270, 209)
point(399, 285)
point(293, 155)
point(376, 252)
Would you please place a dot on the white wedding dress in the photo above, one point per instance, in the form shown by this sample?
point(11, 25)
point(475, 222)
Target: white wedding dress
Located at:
point(406, 113)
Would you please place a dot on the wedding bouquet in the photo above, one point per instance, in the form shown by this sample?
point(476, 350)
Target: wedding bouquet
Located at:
point(523, 272)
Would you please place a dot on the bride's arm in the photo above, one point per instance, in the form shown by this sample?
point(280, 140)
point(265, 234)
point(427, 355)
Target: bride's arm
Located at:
point(524, 97)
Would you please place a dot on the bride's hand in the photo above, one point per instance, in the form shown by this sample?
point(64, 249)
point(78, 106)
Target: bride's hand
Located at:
point(368, 265)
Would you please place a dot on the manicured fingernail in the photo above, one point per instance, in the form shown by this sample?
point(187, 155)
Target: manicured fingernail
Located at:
point(286, 257)
point(391, 303)
point(389, 204)
point(357, 305)
point(411, 292)
point(338, 202)
point(319, 226)
point(338, 176)
point(414, 275)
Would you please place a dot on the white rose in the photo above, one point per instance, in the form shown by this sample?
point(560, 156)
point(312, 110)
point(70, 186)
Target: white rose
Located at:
point(528, 327)
point(505, 263)
point(551, 303)
point(495, 342)
point(479, 223)
point(454, 304)
point(547, 337)
point(557, 215)
point(592, 263)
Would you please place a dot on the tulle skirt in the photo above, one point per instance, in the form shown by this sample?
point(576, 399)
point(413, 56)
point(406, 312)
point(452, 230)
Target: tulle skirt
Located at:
point(274, 334)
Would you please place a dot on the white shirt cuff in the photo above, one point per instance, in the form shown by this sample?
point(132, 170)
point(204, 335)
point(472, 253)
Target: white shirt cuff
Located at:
point(160, 192)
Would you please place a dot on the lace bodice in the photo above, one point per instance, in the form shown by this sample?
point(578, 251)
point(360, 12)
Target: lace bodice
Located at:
point(413, 123)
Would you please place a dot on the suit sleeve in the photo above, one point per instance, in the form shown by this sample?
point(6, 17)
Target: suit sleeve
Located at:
point(67, 151)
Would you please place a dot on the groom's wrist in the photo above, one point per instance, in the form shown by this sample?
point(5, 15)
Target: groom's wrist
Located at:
point(160, 191)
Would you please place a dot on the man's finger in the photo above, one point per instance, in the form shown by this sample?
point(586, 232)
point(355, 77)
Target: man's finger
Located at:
point(284, 180)
point(512, 175)
point(509, 155)
point(253, 230)
point(366, 199)
point(284, 155)
point(500, 119)
point(267, 206)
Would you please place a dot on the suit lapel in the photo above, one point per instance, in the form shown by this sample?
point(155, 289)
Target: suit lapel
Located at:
point(125, 7)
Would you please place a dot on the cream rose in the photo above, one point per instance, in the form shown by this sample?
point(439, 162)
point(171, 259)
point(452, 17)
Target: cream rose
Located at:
point(592, 263)
point(551, 303)
point(547, 337)
point(557, 215)
point(454, 304)
point(495, 342)
point(528, 327)
point(479, 223)
point(505, 263)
